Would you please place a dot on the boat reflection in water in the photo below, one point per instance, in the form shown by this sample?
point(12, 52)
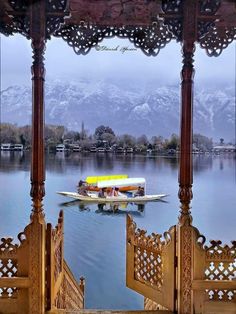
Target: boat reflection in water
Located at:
point(107, 208)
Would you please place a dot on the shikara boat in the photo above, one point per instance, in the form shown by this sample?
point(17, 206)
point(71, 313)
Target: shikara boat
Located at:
point(121, 198)
point(115, 199)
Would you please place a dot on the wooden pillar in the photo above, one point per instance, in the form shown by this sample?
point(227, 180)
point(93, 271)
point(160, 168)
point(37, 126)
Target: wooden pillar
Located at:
point(38, 74)
point(37, 228)
point(184, 229)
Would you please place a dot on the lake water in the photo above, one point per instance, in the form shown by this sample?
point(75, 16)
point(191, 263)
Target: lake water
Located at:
point(95, 238)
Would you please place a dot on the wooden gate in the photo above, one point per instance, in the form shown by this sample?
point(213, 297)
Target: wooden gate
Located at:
point(150, 264)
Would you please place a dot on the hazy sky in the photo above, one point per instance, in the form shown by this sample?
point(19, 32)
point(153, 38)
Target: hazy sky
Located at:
point(62, 62)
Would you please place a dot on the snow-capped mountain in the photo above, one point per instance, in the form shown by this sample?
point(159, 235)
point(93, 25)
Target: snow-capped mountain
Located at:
point(134, 110)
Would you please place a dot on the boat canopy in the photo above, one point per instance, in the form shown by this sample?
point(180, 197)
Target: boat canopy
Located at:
point(121, 182)
point(94, 180)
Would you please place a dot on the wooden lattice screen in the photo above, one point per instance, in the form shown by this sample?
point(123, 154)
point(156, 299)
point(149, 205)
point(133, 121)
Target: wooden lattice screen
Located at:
point(214, 283)
point(14, 275)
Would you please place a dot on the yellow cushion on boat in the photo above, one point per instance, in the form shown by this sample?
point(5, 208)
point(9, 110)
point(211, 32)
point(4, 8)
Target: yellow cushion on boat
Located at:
point(94, 180)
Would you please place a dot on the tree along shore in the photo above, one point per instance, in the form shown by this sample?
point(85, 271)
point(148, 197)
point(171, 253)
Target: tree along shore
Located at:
point(103, 139)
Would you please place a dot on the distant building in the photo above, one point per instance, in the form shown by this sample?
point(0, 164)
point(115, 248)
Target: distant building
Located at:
point(224, 149)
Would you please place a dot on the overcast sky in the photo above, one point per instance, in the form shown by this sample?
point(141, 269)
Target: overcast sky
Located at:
point(62, 62)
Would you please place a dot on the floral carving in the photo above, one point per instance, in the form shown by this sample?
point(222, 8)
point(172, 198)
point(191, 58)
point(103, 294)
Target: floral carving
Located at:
point(84, 37)
point(209, 6)
point(56, 5)
point(114, 12)
point(186, 269)
point(217, 252)
point(220, 265)
point(217, 40)
point(7, 246)
point(172, 6)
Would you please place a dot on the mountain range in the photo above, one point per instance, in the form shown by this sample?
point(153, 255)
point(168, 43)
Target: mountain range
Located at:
point(126, 109)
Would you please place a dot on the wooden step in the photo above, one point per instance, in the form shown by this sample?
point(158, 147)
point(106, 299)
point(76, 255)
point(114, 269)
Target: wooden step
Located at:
point(109, 312)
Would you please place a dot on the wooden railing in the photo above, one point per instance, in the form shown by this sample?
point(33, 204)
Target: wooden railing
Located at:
point(63, 291)
point(18, 270)
point(54, 261)
point(73, 293)
point(14, 275)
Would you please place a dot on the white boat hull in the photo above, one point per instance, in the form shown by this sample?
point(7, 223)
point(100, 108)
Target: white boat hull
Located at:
point(120, 199)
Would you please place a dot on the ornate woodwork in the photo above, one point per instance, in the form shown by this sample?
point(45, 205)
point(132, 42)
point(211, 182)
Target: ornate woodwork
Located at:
point(63, 291)
point(8, 265)
point(150, 39)
point(13, 274)
point(214, 273)
point(208, 276)
point(149, 24)
point(151, 264)
point(54, 260)
point(220, 264)
point(37, 33)
point(114, 12)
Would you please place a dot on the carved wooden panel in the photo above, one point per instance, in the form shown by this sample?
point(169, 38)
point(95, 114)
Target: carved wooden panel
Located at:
point(214, 281)
point(151, 264)
point(114, 12)
point(13, 275)
point(8, 266)
point(220, 265)
point(150, 39)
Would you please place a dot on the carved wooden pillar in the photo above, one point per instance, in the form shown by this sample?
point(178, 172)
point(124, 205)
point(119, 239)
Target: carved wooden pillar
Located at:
point(38, 74)
point(184, 244)
point(37, 226)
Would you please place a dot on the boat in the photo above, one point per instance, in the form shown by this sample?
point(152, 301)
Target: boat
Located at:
point(101, 150)
point(60, 148)
point(92, 181)
point(94, 198)
point(93, 149)
point(19, 147)
point(7, 146)
point(122, 198)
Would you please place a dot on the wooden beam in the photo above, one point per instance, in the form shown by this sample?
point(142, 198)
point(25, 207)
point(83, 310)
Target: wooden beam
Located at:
point(18, 282)
point(214, 284)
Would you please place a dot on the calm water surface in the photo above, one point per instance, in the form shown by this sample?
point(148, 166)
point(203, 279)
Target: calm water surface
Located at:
point(95, 238)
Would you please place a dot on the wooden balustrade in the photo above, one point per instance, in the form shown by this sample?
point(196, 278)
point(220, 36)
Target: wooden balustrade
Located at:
point(17, 277)
point(73, 292)
point(63, 291)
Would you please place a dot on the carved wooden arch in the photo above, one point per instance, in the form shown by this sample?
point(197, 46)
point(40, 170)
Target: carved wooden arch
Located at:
point(148, 24)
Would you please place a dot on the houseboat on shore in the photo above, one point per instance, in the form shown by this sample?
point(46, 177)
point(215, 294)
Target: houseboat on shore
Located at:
point(60, 148)
point(93, 149)
point(129, 150)
point(101, 150)
point(120, 150)
point(18, 147)
point(11, 147)
point(6, 146)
